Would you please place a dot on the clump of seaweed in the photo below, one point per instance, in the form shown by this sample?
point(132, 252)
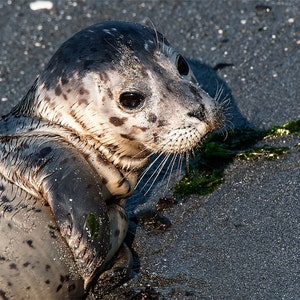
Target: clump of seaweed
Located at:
point(206, 172)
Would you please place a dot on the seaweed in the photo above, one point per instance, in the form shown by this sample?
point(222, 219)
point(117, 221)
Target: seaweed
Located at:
point(93, 225)
point(206, 171)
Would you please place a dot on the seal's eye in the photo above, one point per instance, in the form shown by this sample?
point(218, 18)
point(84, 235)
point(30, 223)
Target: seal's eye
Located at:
point(182, 66)
point(131, 100)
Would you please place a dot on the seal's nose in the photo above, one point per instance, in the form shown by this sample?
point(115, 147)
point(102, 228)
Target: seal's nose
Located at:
point(212, 116)
point(198, 113)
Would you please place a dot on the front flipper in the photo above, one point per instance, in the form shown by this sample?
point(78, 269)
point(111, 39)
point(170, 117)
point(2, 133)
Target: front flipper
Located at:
point(111, 278)
point(80, 211)
point(58, 173)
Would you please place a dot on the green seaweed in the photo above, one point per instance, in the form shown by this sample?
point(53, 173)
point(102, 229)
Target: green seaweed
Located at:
point(266, 152)
point(201, 183)
point(286, 129)
point(93, 225)
point(206, 172)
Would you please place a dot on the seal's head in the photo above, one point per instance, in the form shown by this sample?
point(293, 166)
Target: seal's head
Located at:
point(123, 86)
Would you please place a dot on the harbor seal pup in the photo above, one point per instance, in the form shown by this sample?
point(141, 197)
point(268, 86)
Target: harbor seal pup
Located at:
point(72, 149)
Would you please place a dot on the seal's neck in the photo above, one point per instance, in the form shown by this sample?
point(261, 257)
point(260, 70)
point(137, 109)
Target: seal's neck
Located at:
point(119, 172)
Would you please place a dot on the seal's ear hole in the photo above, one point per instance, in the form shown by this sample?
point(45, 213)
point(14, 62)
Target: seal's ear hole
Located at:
point(131, 100)
point(182, 66)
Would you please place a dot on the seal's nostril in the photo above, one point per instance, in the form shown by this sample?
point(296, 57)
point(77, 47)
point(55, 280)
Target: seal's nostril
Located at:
point(199, 114)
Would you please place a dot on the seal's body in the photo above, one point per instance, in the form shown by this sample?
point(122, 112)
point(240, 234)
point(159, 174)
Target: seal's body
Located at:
point(72, 149)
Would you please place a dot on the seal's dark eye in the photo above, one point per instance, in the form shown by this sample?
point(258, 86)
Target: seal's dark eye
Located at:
point(182, 66)
point(131, 100)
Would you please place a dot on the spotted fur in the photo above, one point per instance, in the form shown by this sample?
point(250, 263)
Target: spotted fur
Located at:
point(72, 149)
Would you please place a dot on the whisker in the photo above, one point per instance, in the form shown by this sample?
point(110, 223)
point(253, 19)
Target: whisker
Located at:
point(113, 46)
point(172, 167)
point(165, 158)
point(193, 152)
point(156, 34)
point(187, 155)
point(147, 169)
point(180, 164)
point(140, 152)
point(157, 172)
point(169, 166)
